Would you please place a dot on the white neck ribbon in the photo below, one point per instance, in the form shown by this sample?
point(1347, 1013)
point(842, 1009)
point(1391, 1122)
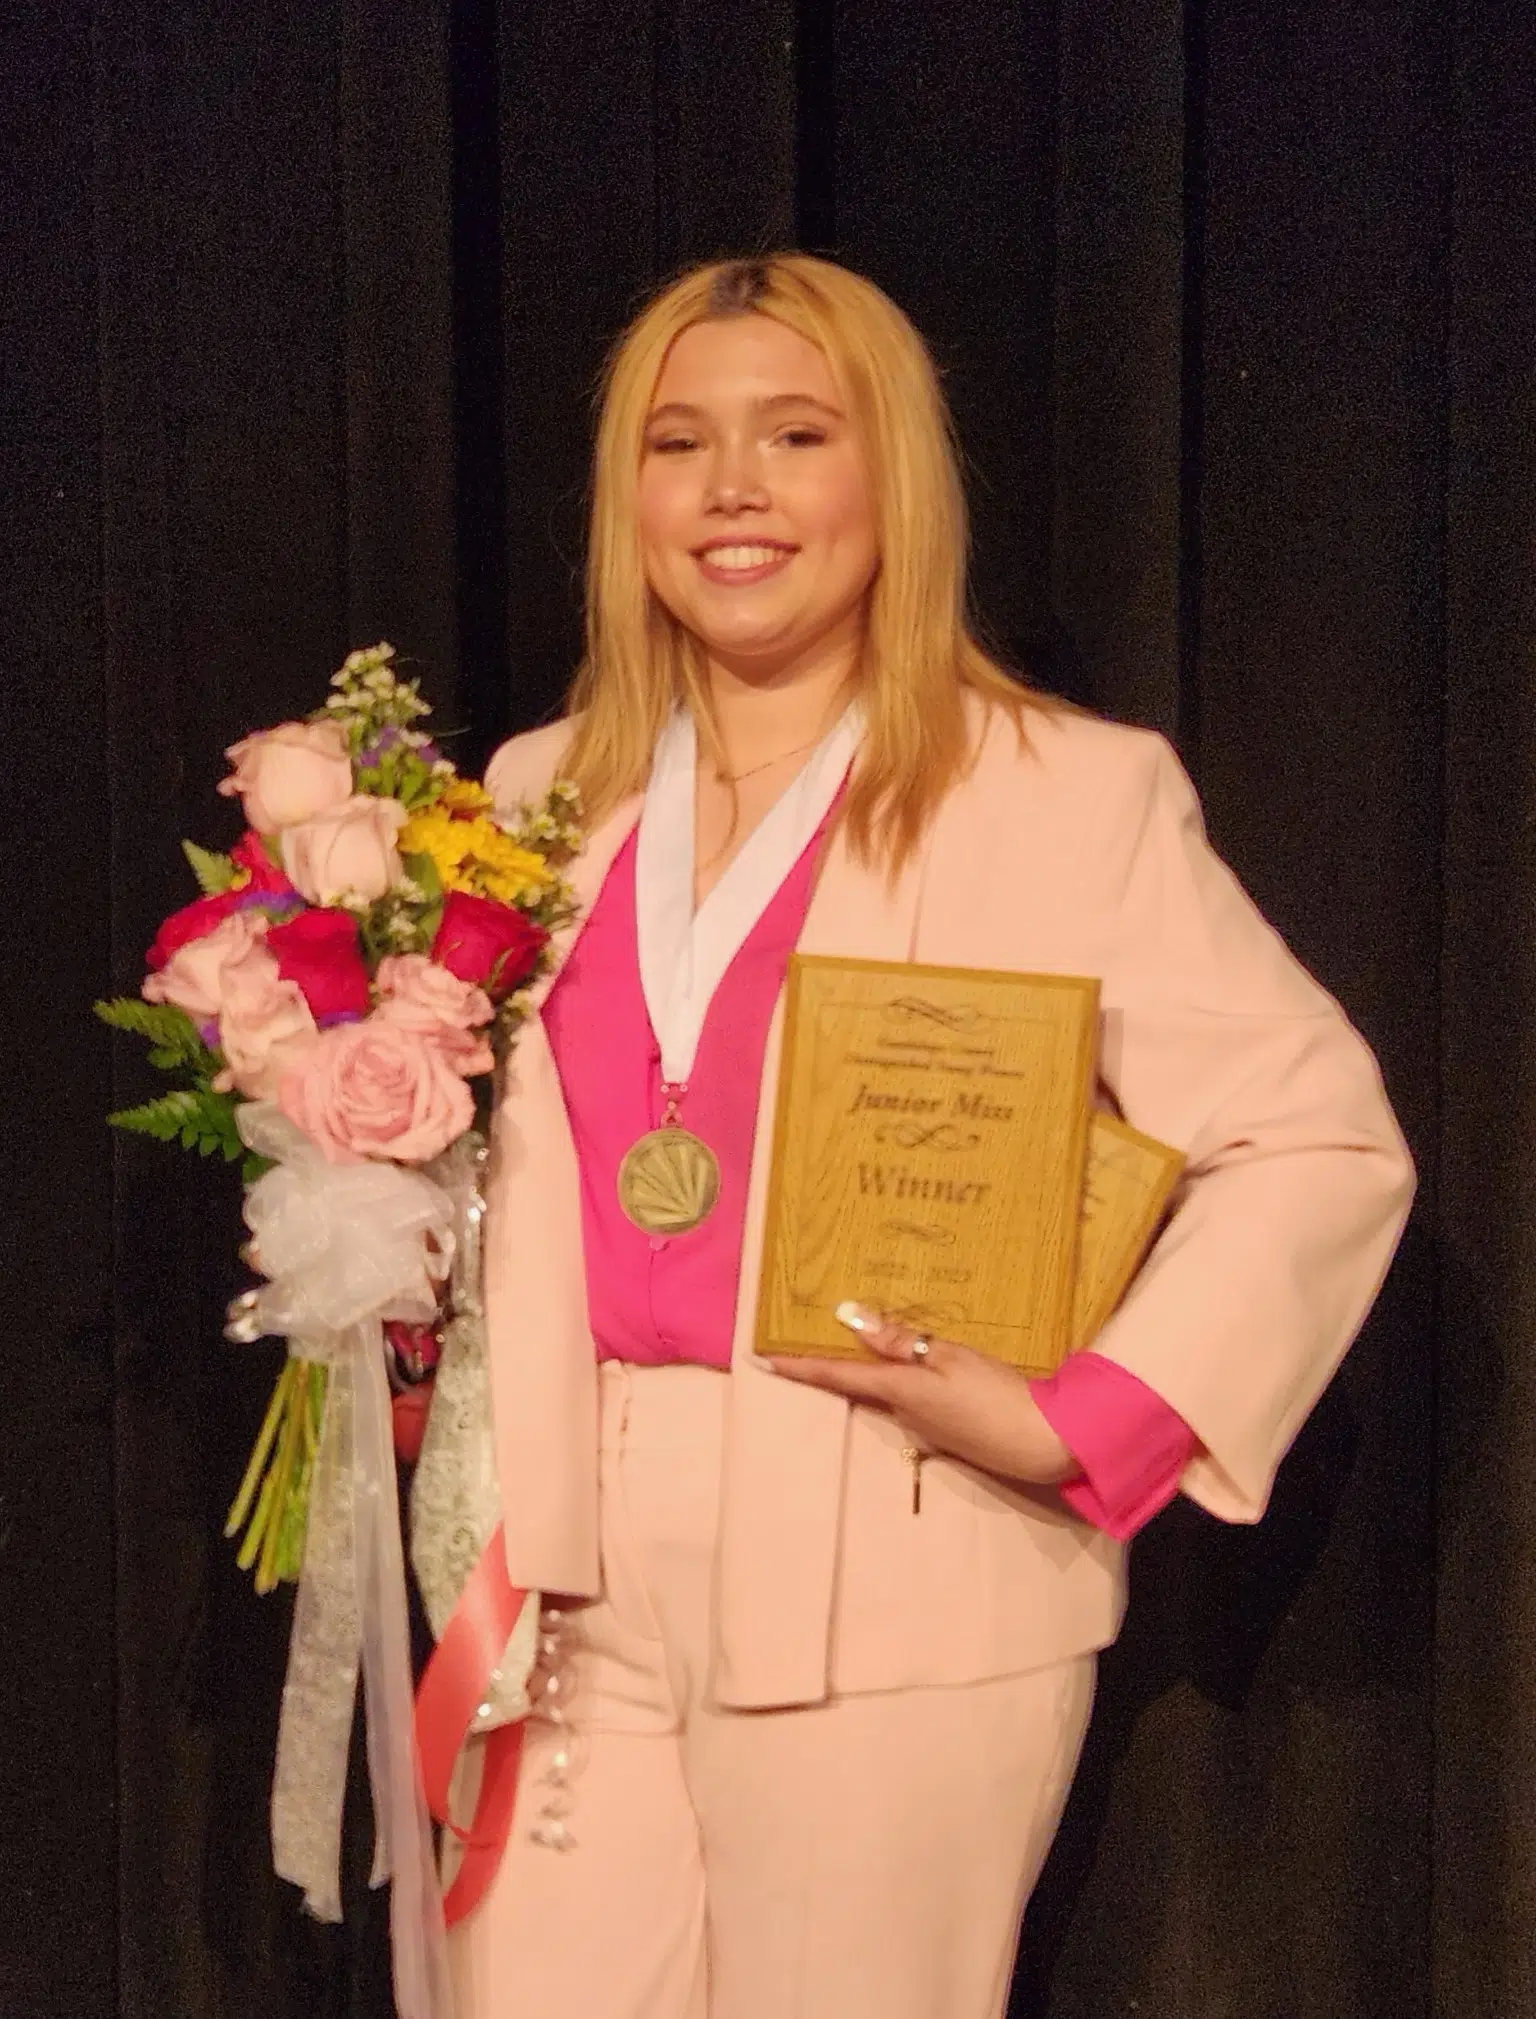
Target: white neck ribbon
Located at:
point(684, 953)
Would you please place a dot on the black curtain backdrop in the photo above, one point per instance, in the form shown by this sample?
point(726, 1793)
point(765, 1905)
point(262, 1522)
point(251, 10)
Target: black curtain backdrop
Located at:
point(301, 306)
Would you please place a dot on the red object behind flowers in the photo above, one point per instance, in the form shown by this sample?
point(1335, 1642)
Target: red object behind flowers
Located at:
point(319, 950)
point(262, 873)
point(408, 1414)
point(487, 943)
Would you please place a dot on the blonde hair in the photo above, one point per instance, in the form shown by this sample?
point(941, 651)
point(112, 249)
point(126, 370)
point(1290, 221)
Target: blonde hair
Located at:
point(919, 657)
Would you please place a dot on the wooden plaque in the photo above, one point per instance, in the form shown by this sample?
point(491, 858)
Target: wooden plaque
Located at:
point(929, 1154)
point(1130, 1179)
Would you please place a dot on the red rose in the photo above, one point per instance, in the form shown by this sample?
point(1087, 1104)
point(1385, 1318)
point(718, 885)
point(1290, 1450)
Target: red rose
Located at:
point(249, 853)
point(193, 921)
point(319, 951)
point(490, 944)
point(266, 890)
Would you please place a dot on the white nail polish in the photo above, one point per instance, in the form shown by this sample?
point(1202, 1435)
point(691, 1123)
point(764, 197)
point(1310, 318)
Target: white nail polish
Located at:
point(855, 1317)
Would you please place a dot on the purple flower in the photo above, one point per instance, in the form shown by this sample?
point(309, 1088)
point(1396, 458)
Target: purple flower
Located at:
point(275, 903)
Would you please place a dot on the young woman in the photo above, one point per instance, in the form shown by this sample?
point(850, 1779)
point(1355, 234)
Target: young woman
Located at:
point(803, 1745)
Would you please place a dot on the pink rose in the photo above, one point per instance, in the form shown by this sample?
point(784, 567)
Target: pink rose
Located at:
point(375, 1089)
point(421, 996)
point(347, 851)
point(290, 773)
point(192, 978)
point(265, 1025)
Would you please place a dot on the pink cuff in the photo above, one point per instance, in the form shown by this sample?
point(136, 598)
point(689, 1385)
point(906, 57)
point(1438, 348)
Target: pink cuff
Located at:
point(1129, 1445)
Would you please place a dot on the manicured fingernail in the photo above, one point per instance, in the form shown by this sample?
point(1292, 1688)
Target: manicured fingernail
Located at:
point(856, 1317)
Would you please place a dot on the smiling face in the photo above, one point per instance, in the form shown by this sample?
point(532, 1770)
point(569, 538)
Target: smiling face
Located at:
point(756, 511)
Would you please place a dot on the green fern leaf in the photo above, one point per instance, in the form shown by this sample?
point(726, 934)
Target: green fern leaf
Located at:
point(214, 872)
point(197, 1119)
point(163, 1118)
point(158, 1022)
point(173, 1037)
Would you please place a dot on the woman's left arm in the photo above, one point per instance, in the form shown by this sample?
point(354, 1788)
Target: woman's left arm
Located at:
point(1298, 1181)
point(1296, 1187)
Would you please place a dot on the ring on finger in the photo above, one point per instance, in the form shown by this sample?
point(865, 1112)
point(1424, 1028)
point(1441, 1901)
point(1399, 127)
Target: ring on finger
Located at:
point(921, 1350)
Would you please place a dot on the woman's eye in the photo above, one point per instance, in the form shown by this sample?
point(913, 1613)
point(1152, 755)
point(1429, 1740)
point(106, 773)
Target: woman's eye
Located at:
point(801, 438)
point(672, 445)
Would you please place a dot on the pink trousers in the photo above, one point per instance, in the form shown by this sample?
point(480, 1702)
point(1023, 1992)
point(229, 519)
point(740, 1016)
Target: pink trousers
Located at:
point(864, 1858)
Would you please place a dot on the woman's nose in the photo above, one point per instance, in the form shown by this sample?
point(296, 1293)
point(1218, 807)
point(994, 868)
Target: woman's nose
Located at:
point(736, 479)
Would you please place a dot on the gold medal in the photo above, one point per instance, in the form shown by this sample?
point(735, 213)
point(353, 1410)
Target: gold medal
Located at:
point(669, 1181)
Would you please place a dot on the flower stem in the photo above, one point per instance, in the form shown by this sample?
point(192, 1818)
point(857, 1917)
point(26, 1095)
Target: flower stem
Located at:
point(258, 1527)
point(242, 1500)
point(308, 1407)
point(279, 1479)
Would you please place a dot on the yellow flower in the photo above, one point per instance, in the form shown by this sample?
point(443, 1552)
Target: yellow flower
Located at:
point(433, 833)
point(475, 856)
point(463, 795)
point(499, 868)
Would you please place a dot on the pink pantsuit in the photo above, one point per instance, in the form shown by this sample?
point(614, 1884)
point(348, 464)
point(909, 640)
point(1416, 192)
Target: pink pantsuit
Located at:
point(823, 1783)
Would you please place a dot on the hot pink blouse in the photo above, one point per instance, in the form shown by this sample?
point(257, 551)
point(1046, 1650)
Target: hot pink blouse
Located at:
point(655, 1300)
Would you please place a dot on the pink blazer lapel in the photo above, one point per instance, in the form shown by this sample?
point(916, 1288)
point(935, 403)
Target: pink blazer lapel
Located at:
point(785, 1443)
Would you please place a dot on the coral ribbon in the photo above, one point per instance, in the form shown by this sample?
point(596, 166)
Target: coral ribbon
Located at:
point(453, 1686)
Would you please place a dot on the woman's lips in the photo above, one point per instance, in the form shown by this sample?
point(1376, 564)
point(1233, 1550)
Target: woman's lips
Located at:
point(748, 561)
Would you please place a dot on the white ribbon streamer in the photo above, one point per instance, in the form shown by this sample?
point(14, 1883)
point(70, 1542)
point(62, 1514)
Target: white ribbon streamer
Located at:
point(455, 1498)
point(346, 1247)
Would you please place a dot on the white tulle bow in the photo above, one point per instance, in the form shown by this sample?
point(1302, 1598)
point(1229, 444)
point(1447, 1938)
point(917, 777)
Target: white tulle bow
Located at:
point(339, 1243)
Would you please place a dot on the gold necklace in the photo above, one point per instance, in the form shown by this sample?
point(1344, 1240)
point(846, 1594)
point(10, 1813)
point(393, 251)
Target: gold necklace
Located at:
point(736, 777)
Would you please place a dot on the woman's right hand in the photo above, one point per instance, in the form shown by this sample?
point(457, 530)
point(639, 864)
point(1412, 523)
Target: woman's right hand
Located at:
point(947, 1399)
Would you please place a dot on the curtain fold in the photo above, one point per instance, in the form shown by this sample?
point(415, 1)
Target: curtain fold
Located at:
point(1485, 1640)
point(58, 1756)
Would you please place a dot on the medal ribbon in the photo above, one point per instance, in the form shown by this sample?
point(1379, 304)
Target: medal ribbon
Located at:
point(684, 952)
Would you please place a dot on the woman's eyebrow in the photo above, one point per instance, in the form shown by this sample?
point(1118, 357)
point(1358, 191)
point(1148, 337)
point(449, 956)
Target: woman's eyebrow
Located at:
point(778, 400)
point(680, 410)
point(674, 410)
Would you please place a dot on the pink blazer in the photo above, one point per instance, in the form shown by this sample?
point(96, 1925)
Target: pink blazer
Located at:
point(1082, 854)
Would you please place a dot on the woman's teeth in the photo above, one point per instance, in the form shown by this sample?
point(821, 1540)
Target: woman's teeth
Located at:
point(744, 557)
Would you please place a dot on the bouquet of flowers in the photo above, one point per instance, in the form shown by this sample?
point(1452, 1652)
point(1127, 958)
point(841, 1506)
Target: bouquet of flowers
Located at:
point(334, 1004)
point(359, 959)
